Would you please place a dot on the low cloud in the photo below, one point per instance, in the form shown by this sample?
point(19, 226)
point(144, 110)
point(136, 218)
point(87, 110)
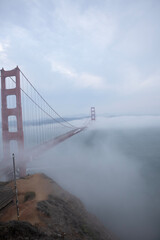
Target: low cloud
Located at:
point(95, 26)
point(4, 45)
point(1, 48)
point(82, 80)
point(134, 80)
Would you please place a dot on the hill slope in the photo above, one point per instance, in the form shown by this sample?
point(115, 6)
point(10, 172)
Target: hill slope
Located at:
point(57, 213)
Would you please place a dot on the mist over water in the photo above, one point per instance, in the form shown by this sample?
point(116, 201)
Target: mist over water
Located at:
point(114, 168)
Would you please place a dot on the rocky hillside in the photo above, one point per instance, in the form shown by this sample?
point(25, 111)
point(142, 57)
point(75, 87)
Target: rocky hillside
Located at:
point(48, 212)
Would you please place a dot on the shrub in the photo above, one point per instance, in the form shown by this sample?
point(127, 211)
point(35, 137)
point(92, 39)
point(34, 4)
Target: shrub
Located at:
point(29, 196)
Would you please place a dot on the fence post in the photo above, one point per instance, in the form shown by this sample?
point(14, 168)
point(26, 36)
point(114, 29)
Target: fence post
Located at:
point(15, 185)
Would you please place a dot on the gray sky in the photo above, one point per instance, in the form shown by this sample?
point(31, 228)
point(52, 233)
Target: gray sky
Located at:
point(83, 53)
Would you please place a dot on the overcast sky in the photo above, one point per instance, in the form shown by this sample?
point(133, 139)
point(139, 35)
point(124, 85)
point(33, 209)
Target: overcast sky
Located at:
point(83, 53)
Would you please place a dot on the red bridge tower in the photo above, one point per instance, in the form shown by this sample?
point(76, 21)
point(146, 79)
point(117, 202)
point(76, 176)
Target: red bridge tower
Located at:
point(93, 114)
point(7, 135)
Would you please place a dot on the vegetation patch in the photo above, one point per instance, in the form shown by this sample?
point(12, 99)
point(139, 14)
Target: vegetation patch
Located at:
point(29, 196)
point(44, 207)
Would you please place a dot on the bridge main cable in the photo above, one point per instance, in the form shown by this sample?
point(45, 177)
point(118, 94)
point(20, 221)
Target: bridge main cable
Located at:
point(70, 125)
point(46, 101)
point(41, 107)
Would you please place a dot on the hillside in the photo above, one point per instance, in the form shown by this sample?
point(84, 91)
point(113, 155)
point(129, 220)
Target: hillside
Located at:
point(52, 211)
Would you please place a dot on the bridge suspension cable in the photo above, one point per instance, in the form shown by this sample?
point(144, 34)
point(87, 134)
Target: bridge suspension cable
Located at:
point(46, 101)
point(56, 120)
point(30, 126)
point(37, 113)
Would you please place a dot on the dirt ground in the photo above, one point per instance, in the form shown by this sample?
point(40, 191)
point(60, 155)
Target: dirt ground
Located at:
point(38, 184)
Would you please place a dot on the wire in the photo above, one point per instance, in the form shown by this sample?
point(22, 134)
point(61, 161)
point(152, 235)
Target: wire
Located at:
point(42, 108)
point(46, 101)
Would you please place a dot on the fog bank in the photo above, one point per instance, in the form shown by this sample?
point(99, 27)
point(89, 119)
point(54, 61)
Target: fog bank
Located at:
point(113, 167)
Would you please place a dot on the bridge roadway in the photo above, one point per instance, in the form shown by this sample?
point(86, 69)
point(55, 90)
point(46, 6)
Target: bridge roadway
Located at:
point(33, 153)
point(40, 149)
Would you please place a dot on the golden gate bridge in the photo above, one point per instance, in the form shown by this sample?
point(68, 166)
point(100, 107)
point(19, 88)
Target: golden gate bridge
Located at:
point(30, 125)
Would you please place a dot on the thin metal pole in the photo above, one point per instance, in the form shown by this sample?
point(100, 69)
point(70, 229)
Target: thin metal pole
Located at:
point(15, 185)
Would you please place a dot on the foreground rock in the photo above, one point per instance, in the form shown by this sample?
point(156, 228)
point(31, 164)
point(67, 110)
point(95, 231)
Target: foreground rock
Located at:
point(15, 230)
point(53, 213)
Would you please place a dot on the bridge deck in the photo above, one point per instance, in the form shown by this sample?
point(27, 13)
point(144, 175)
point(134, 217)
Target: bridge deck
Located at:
point(31, 154)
